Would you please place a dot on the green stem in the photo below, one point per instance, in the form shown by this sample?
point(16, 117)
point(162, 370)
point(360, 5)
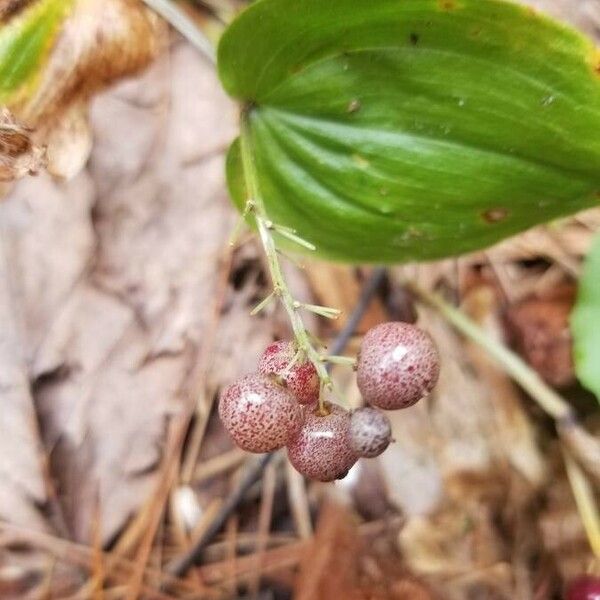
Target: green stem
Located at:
point(171, 13)
point(265, 227)
point(585, 500)
point(518, 369)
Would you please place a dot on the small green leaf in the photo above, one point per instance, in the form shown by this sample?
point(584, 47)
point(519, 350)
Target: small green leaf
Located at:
point(25, 43)
point(585, 322)
point(395, 130)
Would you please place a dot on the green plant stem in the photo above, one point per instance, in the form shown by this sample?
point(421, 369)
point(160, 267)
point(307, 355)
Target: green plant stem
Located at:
point(523, 374)
point(171, 13)
point(585, 500)
point(280, 289)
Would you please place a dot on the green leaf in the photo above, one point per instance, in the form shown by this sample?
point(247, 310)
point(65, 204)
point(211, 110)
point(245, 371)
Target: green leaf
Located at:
point(394, 130)
point(585, 321)
point(25, 43)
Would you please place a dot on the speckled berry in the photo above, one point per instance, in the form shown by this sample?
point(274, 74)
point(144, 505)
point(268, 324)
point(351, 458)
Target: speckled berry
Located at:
point(321, 450)
point(585, 587)
point(259, 414)
point(370, 432)
point(398, 364)
point(301, 379)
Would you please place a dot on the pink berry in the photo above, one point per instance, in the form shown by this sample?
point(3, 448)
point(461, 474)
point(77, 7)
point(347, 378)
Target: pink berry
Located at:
point(321, 450)
point(301, 379)
point(585, 587)
point(370, 432)
point(398, 364)
point(259, 414)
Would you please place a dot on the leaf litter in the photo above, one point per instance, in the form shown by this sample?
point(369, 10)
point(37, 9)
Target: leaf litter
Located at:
point(124, 316)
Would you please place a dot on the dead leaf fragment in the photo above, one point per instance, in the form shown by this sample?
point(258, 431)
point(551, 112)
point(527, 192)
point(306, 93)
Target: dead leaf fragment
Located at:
point(539, 328)
point(116, 272)
point(330, 566)
point(19, 155)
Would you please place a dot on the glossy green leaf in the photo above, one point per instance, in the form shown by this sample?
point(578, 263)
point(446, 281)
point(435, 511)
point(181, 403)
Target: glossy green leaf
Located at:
point(25, 42)
point(394, 130)
point(585, 322)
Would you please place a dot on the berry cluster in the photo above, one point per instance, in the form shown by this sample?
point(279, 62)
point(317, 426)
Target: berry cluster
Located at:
point(281, 405)
point(585, 587)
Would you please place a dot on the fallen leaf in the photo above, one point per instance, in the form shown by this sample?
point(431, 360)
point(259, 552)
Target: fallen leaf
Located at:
point(330, 565)
point(538, 327)
point(22, 486)
point(19, 155)
point(116, 271)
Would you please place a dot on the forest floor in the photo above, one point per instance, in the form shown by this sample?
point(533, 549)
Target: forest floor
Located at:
point(124, 311)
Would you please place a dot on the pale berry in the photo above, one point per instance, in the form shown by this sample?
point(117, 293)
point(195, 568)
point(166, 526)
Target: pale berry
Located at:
point(585, 587)
point(370, 432)
point(259, 414)
point(398, 364)
point(301, 378)
point(321, 450)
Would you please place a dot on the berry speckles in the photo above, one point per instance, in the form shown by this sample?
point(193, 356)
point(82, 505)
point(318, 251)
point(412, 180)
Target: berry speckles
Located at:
point(585, 587)
point(398, 364)
point(322, 450)
point(259, 414)
point(301, 379)
point(370, 432)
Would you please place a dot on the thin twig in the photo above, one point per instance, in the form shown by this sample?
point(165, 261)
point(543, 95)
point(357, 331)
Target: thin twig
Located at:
point(265, 516)
point(369, 290)
point(171, 13)
point(179, 566)
point(298, 501)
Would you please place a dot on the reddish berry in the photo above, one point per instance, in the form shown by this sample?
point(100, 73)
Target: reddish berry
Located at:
point(398, 364)
point(321, 450)
point(585, 587)
point(259, 414)
point(301, 379)
point(370, 432)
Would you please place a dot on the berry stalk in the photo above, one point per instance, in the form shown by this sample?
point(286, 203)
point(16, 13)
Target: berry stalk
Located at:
point(265, 227)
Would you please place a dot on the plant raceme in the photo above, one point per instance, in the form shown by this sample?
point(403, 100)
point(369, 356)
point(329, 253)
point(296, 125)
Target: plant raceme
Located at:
point(283, 404)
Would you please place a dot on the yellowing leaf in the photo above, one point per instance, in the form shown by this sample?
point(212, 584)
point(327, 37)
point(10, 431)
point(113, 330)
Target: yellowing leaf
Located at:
point(54, 54)
point(25, 41)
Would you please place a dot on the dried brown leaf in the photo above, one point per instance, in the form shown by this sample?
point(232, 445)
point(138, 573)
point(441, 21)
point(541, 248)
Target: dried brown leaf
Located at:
point(21, 469)
point(19, 155)
point(539, 329)
point(329, 568)
point(115, 301)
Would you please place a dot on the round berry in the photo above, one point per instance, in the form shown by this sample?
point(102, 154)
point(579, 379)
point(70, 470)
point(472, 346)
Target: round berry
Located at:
point(398, 364)
point(259, 414)
point(321, 450)
point(585, 587)
point(301, 379)
point(370, 432)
